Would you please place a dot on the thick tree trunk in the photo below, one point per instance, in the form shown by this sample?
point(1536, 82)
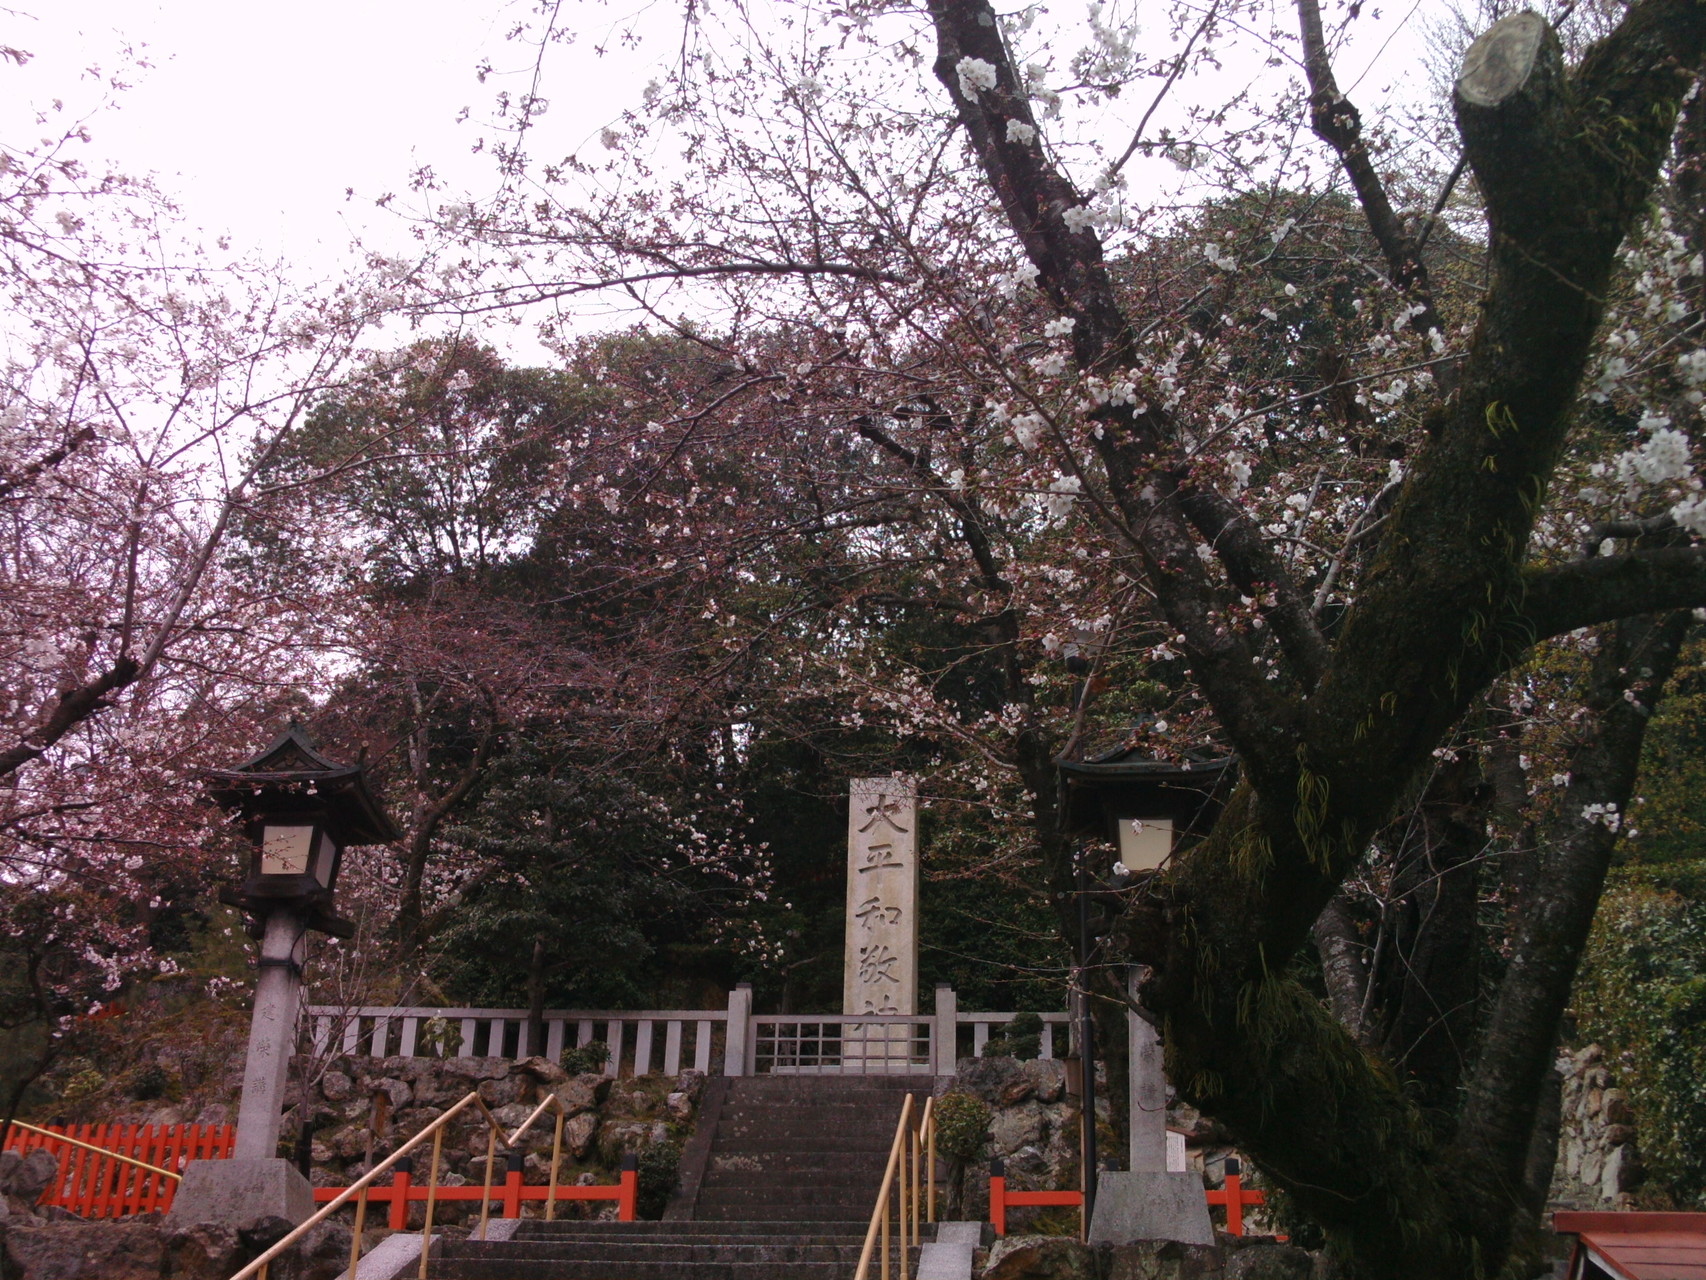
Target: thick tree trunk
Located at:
point(535, 1032)
point(1496, 1135)
point(1431, 973)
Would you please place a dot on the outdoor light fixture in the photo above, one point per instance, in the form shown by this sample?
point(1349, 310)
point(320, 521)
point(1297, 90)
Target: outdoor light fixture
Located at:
point(299, 810)
point(1143, 806)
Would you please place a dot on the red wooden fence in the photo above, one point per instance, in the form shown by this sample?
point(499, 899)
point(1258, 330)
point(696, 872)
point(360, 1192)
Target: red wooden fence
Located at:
point(92, 1185)
point(507, 1195)
point(1234, 1195)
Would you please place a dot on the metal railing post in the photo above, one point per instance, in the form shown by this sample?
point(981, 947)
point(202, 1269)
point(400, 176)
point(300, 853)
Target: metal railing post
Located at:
point(556, 1167)
point(432, 1200)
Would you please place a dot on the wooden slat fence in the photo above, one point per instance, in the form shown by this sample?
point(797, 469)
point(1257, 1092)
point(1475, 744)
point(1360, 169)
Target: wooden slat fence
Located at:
point(94, 1186)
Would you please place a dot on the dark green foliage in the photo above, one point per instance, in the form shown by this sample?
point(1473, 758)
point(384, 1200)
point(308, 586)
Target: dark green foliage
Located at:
point(659, 1175)
point(1642, 996)
point(1020, 1038)
point(585, 1059)
point(149, 1082)
point(962, 1125)
point(583, 872)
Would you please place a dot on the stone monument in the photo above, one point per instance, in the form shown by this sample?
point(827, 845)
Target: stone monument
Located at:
point(880, 961)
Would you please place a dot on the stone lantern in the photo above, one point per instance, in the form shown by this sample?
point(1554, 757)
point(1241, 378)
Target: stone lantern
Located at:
point(299, 811)
point(1143, 807)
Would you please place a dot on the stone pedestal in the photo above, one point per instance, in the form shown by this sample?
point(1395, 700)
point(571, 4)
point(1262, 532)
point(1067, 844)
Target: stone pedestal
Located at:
point(1150, 1205)
point(241, 1193)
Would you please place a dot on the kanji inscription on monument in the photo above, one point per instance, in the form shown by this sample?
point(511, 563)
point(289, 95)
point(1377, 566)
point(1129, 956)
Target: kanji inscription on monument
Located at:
point(881, 964)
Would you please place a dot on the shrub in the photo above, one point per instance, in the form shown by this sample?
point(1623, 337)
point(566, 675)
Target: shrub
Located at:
point(585, 1059)
point(1642, 996)
point(962, 1125)
point(438, 1038)
point(1020, 1038)
point(659, 1173)
point(149, 1082)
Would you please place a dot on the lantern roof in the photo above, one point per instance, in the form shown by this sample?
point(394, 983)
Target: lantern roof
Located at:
point(290, 775)
point(1129, 764)
point(1125, 782)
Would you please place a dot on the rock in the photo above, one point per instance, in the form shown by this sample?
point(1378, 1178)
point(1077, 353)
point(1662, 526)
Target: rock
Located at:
point(579, 1132)
point(1623, 1172)
point(1016, 1091)
point(500, 1092)
point(349, 1142)
point(543, 1070)
point(335, 1086)
point(1619, 1135)
point(1595, 1100)
point(678, 1106)
point(691, 1083)
point(1028, 1169)
point(1016, 1127)
point(1614, 1107)
point(583, 1093)
point(1588, 1055)
point(1261, 1259)
point(203, 1249)
point(1040, 1258)
point(1592, 1164)
point(617, 1138)
point(472, 1069)
point(986, 1078)
point(1163, 1260)
point(27, 1177)
point(1047, 1077)
point(396, 1090)
point(84, 1251)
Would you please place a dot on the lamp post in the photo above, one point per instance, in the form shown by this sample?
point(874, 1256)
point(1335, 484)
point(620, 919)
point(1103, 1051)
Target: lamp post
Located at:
point(300, 811)
point(1142, 807)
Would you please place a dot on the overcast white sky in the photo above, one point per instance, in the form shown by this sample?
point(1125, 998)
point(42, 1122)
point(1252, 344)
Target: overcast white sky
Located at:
point(258, 116)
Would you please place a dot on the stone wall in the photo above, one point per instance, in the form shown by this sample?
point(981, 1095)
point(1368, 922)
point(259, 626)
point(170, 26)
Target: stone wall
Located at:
point(606, 1118)
point(1034, 1128)
point(1599, 1161)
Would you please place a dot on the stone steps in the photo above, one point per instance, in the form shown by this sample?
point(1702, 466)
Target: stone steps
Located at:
point(657, 1251)
point(789, 1184)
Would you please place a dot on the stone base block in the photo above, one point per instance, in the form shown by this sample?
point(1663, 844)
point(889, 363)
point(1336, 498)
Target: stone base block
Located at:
point(1150, 1206)
point(241, 1193)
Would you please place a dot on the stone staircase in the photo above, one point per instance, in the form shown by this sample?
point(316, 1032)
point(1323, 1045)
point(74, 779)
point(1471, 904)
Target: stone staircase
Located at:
point(787, 1192)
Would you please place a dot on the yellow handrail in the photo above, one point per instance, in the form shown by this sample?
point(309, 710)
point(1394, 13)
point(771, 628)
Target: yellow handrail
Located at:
point(105, 1151)
point(435, 1131)
point(919, 1143)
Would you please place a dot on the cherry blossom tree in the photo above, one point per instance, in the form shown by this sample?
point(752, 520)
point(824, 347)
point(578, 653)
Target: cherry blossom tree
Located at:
point(144, 378)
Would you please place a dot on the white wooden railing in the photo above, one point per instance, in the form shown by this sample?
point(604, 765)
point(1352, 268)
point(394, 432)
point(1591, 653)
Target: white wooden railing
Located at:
point(639, 1041)
point(733, 1040)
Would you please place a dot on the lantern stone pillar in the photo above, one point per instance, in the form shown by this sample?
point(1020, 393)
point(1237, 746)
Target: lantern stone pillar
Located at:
point(272, 1036)
point(299, 810)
